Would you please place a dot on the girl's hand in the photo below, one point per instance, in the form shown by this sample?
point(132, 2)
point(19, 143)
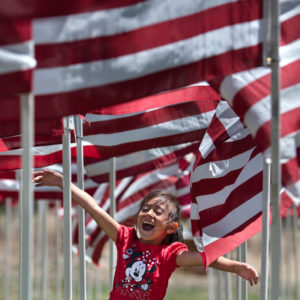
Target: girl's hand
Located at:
point(47, 177)
point(247, 272)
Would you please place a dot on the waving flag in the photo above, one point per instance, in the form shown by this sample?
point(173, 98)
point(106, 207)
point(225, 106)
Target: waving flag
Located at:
point(99, 58)
point(166, 126)
point(226, 186)
point(248, 93)
point(16, 58)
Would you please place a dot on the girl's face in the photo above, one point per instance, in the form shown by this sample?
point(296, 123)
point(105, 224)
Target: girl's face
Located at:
point(152, 221)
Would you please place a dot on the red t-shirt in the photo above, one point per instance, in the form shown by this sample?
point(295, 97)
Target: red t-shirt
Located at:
point(142, 270)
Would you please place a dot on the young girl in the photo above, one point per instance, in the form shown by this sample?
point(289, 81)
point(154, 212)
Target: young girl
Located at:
point(149, 254)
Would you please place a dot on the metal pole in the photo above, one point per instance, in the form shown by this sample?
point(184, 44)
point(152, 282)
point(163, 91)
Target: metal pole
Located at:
point(81, 216)
point(244, 291)
point(228, 284)
point(8, 239)
point(58, 253)
point(238, 278)
point(112, 249)
point(44, 249)
point(26, 214)
point(289, 251)
point(211, 284)
point(265, 230)
point(267, 31)
point(296, 250)
point(275, 150)
point(67, 210)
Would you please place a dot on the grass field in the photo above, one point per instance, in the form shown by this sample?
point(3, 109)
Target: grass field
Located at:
point(184, 284)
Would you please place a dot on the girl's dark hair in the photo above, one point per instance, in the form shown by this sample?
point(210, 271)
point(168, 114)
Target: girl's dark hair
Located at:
point(174, 213)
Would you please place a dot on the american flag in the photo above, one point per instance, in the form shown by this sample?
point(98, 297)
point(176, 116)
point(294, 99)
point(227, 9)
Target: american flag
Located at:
point(248, 93)
point(16, 57)
point(176, 124)
point(226, 186)
point(124, 52)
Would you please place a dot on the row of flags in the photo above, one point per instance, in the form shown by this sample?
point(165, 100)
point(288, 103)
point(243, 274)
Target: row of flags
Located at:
point(132, 70)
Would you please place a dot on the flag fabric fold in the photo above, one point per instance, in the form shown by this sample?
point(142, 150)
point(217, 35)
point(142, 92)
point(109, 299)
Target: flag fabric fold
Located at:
point(226, 186)
point(248, 93)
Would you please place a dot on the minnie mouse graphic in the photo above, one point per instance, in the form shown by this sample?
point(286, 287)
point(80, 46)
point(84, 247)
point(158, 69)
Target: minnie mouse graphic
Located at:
point(138, 269)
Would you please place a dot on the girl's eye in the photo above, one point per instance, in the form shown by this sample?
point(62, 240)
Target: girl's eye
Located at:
point(145, 208)
point(159, 211)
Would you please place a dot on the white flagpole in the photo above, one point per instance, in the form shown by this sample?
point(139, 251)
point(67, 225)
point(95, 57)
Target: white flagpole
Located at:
point(288, 255)
point(112, 249)
point(43, 212)
point(275, 150)
point(81, 216)
point(67, 209)
point(26, 197)
point(296, 250)
point(265, 230)
point(211, 284)
point(228, 283)
point(238, 278)
point(58, 253)
point(244, 291)
point(8, 239)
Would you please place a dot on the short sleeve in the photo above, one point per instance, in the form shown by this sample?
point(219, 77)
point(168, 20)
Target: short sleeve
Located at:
point(172, 251)
point(125, 234)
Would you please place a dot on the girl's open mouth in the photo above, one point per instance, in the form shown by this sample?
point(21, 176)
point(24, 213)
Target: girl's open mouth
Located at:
point(147, 226)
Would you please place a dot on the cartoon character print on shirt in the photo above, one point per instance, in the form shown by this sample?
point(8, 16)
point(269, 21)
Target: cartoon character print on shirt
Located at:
point(138, 268)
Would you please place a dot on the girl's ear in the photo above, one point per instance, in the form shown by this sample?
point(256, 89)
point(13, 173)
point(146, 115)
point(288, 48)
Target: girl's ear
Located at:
point(173, 227)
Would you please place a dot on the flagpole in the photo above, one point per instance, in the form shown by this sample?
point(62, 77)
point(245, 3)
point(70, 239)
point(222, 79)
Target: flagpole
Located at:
point(228, 290)
point(43, 206)
point(67, 209)
point(275, 154)
point(112, 250)
point(244, 291)
point(81, 216)
point(296, 250)
point(211, 284)
point(265, 230)
point(288, 255)
point(8, 218)
point(26, 197)
point(58, 252)
point(238, 278)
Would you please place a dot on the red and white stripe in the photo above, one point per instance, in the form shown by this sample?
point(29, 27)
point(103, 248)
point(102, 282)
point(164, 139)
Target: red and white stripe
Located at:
point(226, 186)
point(166, 126)
point(10, 185)
point(16, 57)
point(137, 162)
point(248, 93)
point(99, 58)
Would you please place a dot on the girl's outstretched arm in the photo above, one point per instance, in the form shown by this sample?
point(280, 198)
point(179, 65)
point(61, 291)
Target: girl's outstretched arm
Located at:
point(242, 269)
point(104, 220)
point(193, 258)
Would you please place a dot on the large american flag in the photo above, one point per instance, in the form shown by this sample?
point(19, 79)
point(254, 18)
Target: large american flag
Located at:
point(119, 53)
point(226, 185)
point(248, 93)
